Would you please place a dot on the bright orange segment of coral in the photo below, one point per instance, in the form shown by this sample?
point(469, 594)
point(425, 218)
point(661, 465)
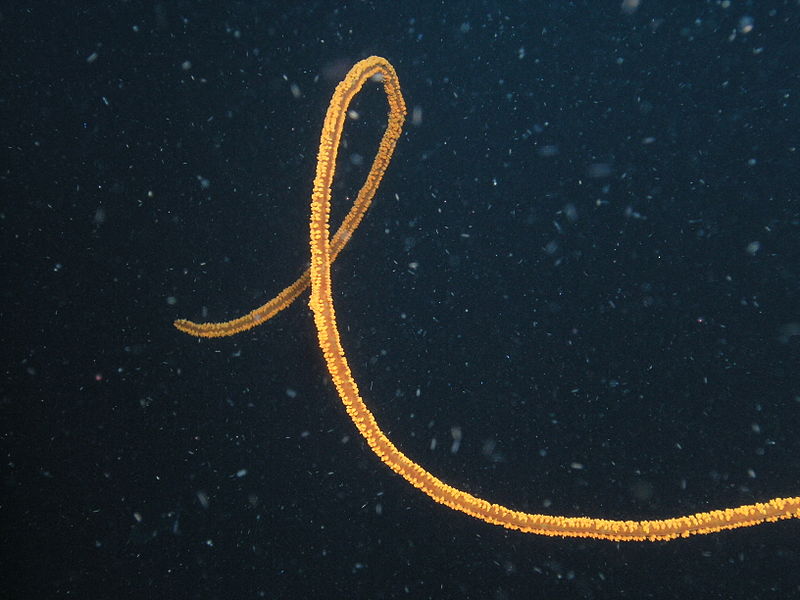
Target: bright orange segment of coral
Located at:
point(324, 251)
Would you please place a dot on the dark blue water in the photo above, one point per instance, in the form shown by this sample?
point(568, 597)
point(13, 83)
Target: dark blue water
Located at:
point(576, 293)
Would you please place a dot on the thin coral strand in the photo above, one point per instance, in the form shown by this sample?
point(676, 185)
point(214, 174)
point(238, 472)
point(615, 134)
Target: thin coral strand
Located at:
point(324, 251)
